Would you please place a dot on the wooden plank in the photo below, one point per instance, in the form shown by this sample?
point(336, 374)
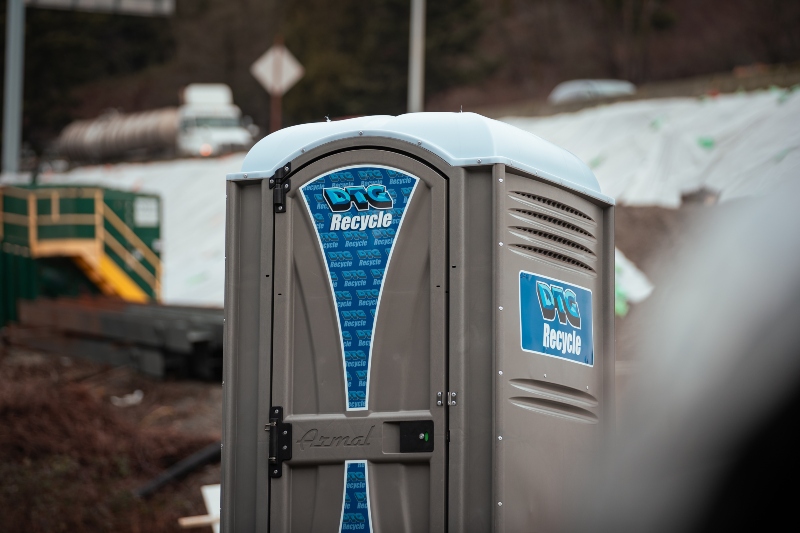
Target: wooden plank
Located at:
point(131, 261)
point(122, 283)
point(17, 220)
point(32, 230)
point(68, 192)
point(99, 225)
point(66, 220)
point(67, 248)
point(134, 239)
point(55, 208)
point(188, 522)
point(16, 192)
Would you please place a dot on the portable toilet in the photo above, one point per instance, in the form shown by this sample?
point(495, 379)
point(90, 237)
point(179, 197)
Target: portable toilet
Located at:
point(419, 328)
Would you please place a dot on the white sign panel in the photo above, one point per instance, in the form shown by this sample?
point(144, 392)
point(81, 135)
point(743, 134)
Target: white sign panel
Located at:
point(277, 70)
point(145, 212)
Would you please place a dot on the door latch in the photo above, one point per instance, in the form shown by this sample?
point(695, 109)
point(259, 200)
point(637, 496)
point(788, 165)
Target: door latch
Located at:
point(451, 399)
point(280, 441)
point(280, 185)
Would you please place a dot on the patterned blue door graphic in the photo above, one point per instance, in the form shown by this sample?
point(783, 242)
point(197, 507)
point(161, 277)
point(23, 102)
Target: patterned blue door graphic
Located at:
point(355, 504)
point(358, 213)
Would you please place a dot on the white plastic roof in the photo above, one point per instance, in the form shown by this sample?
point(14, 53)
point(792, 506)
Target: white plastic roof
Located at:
point(460, 139)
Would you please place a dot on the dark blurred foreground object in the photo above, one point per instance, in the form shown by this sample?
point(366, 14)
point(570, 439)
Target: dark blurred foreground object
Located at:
point(708, 440)
point(209, 454)
point(158, 340)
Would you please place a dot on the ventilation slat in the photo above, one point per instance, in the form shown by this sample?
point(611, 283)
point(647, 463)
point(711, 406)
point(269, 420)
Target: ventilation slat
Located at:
point(553, 204)
point(554, 391)
point(555, 238)
point(555, 221)
point(557, 409)
point(552, 256)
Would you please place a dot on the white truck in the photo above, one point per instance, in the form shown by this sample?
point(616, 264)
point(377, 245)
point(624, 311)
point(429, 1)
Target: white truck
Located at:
point(207, 123)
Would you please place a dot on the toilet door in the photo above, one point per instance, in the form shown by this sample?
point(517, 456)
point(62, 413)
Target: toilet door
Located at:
point(358, 354)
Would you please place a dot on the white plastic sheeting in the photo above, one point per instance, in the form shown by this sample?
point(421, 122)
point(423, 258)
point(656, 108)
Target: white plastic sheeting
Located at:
point(631, 284)
point(643, 153)
point(649, 152)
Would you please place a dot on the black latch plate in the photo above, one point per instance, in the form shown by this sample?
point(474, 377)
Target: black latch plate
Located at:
point(416, 436)
point(280, 441)
point(280, 185)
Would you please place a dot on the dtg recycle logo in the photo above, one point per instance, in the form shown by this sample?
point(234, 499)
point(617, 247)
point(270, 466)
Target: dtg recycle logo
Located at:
point(357, 213)
point(363, 198)
point(556, 318)
point(555, 300)
point(372, 197)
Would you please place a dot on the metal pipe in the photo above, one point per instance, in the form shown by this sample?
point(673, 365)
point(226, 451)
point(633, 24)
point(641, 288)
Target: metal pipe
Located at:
point(12, 97)
point(416, 62)
point(209, 454)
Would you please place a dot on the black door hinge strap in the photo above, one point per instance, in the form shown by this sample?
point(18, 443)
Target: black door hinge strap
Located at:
point(280, 185)
point(280, 441)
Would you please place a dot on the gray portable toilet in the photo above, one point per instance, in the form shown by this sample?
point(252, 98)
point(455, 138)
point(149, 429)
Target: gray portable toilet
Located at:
point(419, 328)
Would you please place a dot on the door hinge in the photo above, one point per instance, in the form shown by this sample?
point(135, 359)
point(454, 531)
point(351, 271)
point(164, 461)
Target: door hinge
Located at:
point(280, 185)
point(280, 441)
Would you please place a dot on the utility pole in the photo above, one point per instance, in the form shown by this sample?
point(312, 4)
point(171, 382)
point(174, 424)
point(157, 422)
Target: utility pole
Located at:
point(15, 56)
point(416, 59)
point(12, 97)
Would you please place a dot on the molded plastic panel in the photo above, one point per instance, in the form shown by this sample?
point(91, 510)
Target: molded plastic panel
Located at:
point(552, 400)
point(378, 487)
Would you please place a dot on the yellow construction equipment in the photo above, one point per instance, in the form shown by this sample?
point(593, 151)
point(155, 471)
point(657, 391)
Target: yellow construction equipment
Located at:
point(112, 236)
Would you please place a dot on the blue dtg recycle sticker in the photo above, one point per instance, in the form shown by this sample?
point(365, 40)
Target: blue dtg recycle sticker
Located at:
point(355, 507)
point(358, 212)
point(556, 318)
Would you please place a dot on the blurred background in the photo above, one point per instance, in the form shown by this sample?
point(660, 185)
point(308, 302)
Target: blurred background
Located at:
point(121, 119)
point(479, 54)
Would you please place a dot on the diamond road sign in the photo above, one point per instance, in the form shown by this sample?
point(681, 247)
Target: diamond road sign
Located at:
point(277, 70)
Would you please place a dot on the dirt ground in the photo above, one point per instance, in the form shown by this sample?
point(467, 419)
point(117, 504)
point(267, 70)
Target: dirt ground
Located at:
point(70, 458)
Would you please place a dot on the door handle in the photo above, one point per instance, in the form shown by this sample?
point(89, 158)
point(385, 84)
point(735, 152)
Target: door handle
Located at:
point(416, 436)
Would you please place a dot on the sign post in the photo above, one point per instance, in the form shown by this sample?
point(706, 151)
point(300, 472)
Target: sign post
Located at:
point(12, 97)
point(416, 58)
point(277, 71)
